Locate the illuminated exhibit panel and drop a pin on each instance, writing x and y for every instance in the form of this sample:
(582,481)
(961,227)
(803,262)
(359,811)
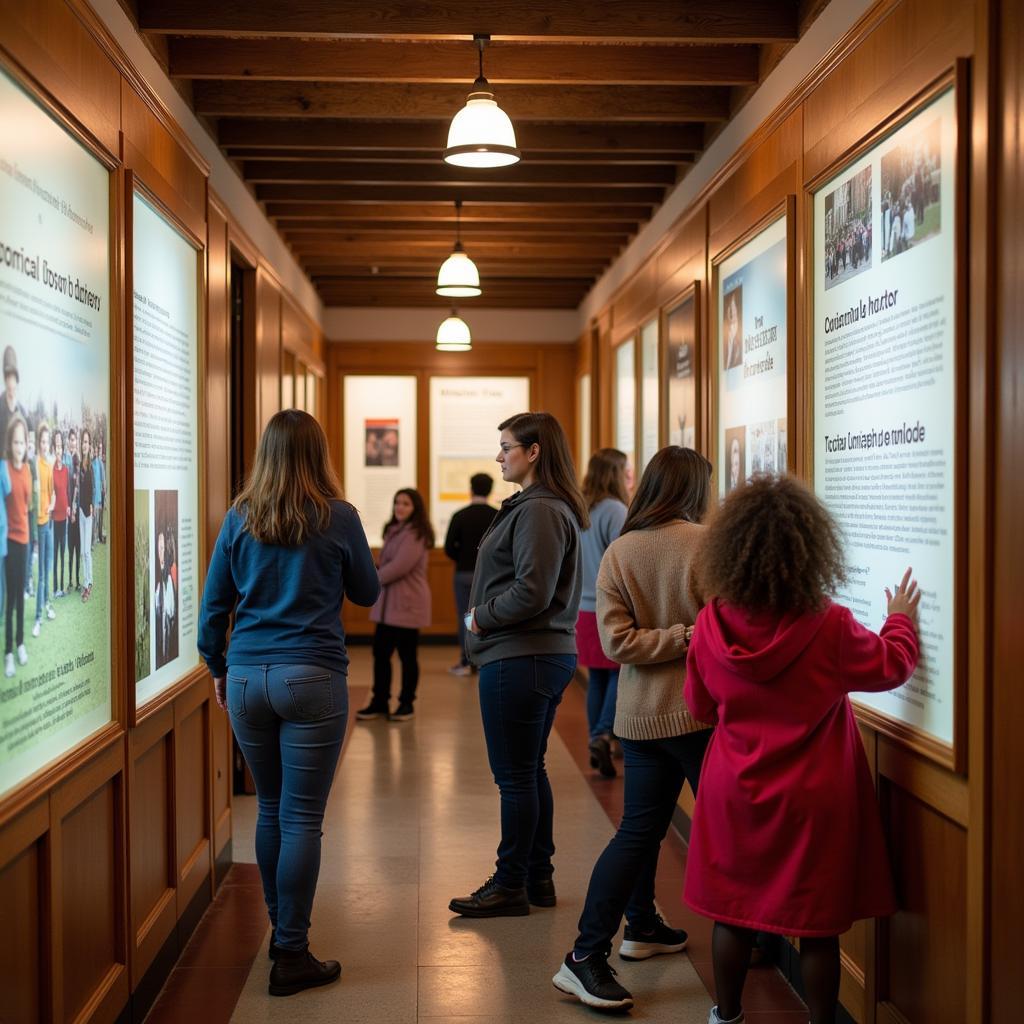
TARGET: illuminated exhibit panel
(380,446)
(624,391)
(464,417)
(681,389)
(55,689)
(165,348)
(584,405)
(649,394)
(753,336)
(885,389)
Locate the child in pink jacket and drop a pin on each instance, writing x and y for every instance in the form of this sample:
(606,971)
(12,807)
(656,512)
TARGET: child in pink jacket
(786,834)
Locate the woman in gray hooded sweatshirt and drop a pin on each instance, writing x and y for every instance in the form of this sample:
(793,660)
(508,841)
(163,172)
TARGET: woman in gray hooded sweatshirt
(522,634)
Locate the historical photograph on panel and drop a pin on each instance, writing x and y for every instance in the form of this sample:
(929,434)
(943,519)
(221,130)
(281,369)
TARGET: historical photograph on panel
(732,328)
(848,229)
(783,461)
(735,457)
(381,443)
(165,581)
(912,190)
(143,629)
(762,445)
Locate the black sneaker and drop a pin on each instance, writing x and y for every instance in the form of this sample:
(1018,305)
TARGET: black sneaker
(293,972)
(592,982)
(642,945)
(492,900)
(601,756)
(402,713)
(372,711)
(541,893)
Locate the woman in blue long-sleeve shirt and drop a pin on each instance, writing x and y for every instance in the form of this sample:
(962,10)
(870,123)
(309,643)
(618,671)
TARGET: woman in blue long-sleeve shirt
(288,552)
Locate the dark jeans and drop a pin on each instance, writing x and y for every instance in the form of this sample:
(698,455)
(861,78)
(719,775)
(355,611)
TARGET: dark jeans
(387,640)
(623,877)
(60,541)
(74,553)
(289,721)
(463,586)
(518,699)
(14,569)
(602,687)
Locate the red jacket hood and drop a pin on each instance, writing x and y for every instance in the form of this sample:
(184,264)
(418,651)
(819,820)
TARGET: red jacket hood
(757,645)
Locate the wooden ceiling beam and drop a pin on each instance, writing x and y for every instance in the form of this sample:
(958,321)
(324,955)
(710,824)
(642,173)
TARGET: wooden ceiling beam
(443,210)
(418,156)
(411,228)
(669,104)
(440,173)
(682,21)
(370,252)
(387,300)
(580,271)
(489,193)
(473,243)
(430,136)
(439,62)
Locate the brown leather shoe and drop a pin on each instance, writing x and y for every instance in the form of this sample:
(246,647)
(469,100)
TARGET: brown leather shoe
(492,900)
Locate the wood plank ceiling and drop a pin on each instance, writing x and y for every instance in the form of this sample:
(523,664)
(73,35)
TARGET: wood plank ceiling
(336,113)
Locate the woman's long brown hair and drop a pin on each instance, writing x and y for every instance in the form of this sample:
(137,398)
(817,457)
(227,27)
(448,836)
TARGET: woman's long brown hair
(555,469)
(606,477)
(287,498)
(676,485)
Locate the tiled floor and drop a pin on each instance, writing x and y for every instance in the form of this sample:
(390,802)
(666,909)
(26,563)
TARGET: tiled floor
(413,820)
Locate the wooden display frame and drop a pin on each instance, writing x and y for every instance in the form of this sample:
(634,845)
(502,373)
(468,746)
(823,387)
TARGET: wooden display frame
(690,294)
(784,210)
(65,764)
(952,756)
(134,184)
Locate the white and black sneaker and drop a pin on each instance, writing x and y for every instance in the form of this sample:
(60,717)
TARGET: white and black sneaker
(592,982)
(715,1018)
(642,945)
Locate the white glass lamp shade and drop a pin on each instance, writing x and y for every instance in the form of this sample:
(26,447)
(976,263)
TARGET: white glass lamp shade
(458,277)
(453,335)
(481,135)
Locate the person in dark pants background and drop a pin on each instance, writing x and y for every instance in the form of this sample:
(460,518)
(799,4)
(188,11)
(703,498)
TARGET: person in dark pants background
(403,607)
(648,597)
(465,531)
(526,597)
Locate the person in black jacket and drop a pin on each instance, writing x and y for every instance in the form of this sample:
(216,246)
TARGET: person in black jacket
(465,531)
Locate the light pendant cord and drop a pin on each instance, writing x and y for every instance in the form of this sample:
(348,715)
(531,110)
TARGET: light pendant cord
(481,42)
(458,222)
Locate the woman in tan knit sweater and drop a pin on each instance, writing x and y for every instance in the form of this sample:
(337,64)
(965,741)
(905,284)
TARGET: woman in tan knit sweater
(648,596)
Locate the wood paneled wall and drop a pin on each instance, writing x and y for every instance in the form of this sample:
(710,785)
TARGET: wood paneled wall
(956,837)
(108,858)
(550,369)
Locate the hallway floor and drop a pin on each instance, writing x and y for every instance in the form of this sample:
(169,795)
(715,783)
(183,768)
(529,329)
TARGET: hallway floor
(412,821)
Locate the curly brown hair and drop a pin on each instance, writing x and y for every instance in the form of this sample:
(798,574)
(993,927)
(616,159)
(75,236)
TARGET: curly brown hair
(774,547)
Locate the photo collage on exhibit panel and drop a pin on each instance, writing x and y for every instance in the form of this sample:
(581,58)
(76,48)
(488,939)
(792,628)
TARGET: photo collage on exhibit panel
(55,487)
(752,353)
(885,390)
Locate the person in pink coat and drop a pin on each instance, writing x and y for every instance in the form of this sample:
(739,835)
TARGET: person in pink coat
(403,607)
(787,836)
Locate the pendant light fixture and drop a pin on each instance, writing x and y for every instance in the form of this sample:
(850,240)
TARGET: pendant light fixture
(481,134)
(453,335)
(458,277)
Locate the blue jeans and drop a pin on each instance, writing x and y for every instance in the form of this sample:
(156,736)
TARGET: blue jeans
(518,699)
(45,535)
(289,721)
(623,877)
(463,587)
(602,687)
